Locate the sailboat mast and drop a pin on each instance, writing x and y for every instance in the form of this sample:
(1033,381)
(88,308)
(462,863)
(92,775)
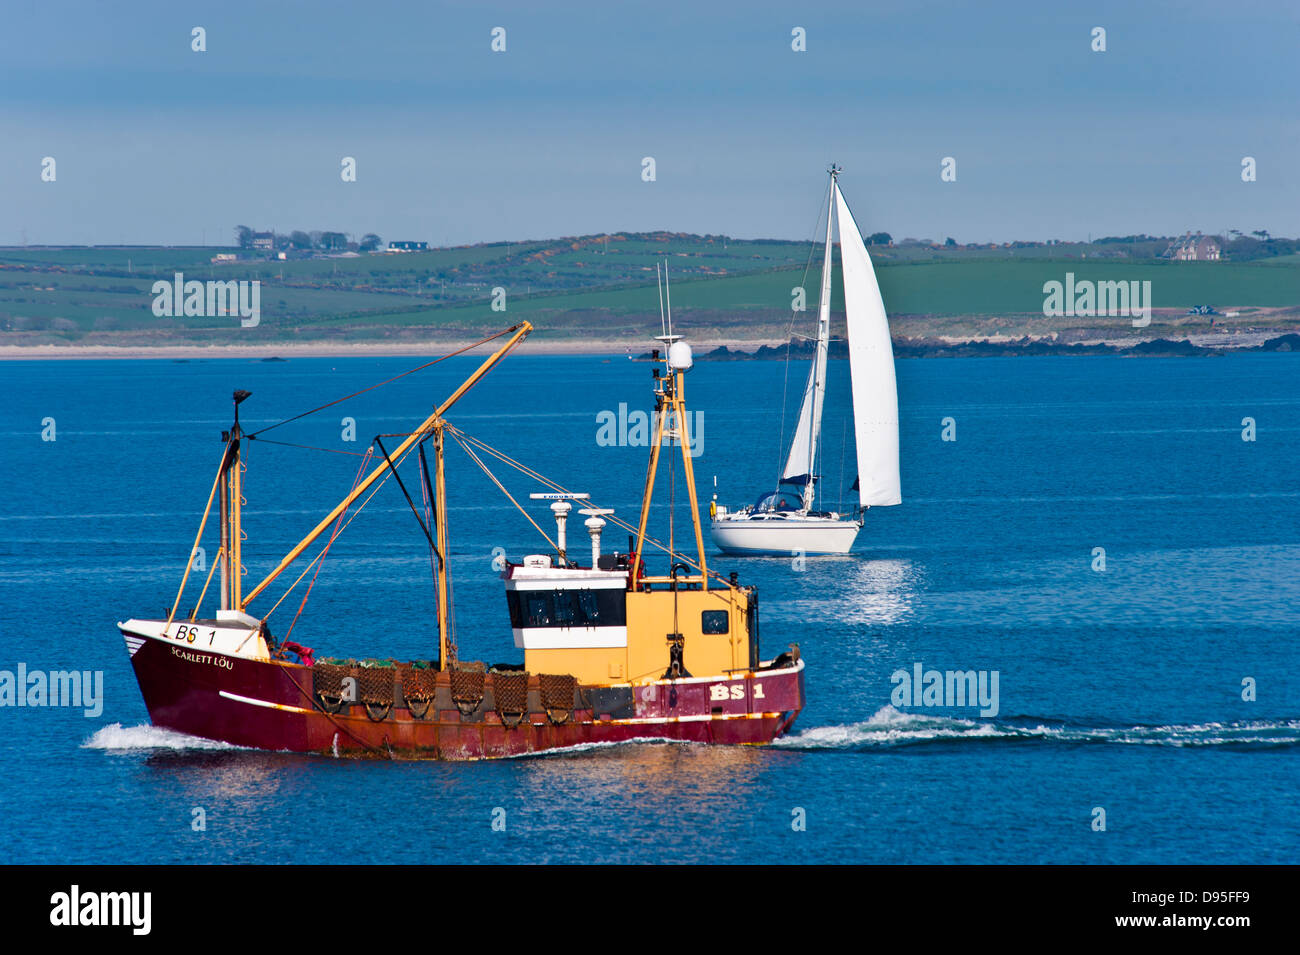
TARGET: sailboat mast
(819,357)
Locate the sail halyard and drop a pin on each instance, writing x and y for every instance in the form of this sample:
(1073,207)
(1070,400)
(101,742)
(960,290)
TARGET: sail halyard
(800,465)
(871,368)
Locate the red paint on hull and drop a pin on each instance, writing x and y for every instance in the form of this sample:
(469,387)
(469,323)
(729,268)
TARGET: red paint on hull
(268,705)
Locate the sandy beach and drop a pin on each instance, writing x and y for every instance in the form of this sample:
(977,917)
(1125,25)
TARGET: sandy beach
(533,346)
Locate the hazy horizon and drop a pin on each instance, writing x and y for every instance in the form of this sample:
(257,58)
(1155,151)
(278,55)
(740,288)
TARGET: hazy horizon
(455,144)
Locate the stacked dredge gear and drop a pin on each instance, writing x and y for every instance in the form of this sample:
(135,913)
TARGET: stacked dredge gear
(328,688)
(376,685)
(511,691)
(467,687)
(557,692)
(418,685)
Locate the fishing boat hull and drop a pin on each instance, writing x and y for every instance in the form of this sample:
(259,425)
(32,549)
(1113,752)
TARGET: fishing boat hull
(784,535)
(270,704)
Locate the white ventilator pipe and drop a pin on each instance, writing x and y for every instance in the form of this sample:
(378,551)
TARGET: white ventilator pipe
(594,526)
(561,511)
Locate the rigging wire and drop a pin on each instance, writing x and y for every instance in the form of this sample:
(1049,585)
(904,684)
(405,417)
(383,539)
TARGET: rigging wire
(329,404)
(382,482)
(305,447)
(392,468)
(547,482)
(501,487)
(338,529)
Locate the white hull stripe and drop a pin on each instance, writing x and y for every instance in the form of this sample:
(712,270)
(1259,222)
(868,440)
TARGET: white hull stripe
(269,705)
(641,720)
(133,644)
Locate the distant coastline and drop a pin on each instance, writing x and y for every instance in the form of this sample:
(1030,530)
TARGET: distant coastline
(939,348)
(704,350)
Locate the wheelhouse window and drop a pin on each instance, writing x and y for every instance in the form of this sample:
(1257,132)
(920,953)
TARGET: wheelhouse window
(714,622)
(565,611)
(540,609)
(588,606)
(567,608)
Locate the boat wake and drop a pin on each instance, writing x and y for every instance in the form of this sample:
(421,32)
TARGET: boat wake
(578,749)
(115,736)
(892,727)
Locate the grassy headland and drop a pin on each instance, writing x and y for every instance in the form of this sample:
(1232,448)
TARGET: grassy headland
(599,292)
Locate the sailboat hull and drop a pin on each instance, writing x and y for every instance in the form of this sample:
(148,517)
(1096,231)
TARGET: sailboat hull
(269,705)
(781,535)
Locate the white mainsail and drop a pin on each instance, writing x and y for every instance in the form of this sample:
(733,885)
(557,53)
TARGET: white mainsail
(871,368)
(802,461)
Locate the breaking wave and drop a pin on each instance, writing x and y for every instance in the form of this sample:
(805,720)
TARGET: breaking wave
(115,736)
(892,727)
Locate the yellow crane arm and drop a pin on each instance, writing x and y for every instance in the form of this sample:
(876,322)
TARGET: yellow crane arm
(520,332)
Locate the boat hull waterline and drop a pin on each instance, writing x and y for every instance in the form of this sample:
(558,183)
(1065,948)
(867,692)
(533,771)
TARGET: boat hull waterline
(269,705)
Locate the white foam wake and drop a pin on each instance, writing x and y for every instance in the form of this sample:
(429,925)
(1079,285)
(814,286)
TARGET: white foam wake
(892,727)
(115,736)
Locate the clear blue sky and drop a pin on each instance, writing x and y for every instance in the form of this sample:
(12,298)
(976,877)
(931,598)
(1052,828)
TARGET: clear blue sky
(155,143)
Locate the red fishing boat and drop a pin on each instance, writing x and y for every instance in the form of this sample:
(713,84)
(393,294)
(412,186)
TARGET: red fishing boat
(611,651)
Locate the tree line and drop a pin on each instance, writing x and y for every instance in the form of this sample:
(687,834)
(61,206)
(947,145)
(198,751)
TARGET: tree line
(323,240)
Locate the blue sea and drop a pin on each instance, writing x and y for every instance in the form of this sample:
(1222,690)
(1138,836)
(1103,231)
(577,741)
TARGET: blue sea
(1098,534)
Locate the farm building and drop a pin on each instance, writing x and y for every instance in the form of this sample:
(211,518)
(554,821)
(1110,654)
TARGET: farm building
(1194,248)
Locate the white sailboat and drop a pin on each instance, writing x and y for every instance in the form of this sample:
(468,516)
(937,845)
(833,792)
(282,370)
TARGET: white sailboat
(786,520)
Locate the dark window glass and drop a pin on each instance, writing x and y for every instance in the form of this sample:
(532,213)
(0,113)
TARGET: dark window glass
(714,621)
(567,608)
(564,608)
(540,612)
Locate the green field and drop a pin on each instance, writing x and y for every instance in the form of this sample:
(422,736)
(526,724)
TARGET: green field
(604,287)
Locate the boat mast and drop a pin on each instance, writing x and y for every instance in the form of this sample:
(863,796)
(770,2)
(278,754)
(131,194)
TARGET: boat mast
(819,357)
(670,401)
(440,519)
(232,502)
(224,551)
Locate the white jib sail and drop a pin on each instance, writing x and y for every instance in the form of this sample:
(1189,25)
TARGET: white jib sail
(871,368)
(803,448)
(797,465)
